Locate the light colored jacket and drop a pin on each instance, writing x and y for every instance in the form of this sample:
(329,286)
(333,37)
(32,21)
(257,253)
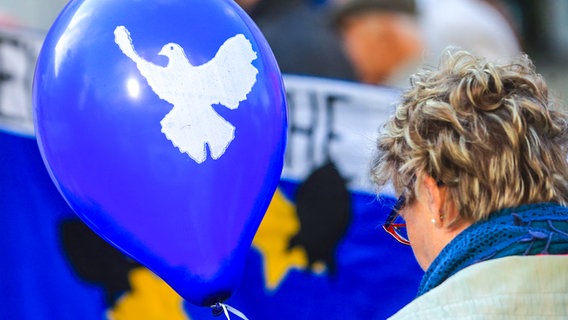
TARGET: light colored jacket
(518,287)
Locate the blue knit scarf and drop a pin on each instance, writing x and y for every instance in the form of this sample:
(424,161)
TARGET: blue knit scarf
(526,230)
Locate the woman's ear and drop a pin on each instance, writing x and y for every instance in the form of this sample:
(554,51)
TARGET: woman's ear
(435,199)
(444,212)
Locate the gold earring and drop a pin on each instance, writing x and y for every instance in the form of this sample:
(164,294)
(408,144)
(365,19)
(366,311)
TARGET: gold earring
(433,221)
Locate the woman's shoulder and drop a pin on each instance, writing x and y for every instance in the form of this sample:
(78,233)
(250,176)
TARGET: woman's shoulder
(504,288)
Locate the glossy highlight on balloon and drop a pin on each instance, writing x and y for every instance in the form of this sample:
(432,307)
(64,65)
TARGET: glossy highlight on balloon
(163,125)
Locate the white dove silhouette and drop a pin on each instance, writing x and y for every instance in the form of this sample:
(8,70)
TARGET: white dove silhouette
(192,90)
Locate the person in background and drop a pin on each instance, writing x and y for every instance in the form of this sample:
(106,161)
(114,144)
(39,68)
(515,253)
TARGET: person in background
(382,39)
(482,27)
(302,41)
(477,151)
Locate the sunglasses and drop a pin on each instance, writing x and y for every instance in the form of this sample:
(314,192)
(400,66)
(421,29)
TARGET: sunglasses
(395,225)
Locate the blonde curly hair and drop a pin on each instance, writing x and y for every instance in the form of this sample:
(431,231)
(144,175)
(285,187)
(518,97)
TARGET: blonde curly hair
(489,133)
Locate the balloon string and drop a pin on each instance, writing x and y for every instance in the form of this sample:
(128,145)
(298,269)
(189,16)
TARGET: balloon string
(226,308)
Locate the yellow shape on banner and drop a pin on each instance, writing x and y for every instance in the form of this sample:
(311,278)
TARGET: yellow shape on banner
(150,298)
(279,225)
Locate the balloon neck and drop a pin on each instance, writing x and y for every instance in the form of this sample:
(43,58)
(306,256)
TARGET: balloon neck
(220,308)
(217,309)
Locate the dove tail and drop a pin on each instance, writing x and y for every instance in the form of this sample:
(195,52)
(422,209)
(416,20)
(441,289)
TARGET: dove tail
(193,130)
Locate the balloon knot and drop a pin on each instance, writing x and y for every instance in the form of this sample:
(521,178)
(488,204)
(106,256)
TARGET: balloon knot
(220,308)
(217,309)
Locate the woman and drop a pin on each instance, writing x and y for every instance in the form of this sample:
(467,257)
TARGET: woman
(478,155)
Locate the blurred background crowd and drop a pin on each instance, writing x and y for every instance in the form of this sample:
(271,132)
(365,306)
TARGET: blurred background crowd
(382,41)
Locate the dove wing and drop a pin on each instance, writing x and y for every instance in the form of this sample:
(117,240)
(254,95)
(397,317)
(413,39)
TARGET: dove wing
(164,81)
(230,73)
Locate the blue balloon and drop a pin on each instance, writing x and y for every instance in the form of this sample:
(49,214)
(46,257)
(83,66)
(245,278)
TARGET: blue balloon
(163,125)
